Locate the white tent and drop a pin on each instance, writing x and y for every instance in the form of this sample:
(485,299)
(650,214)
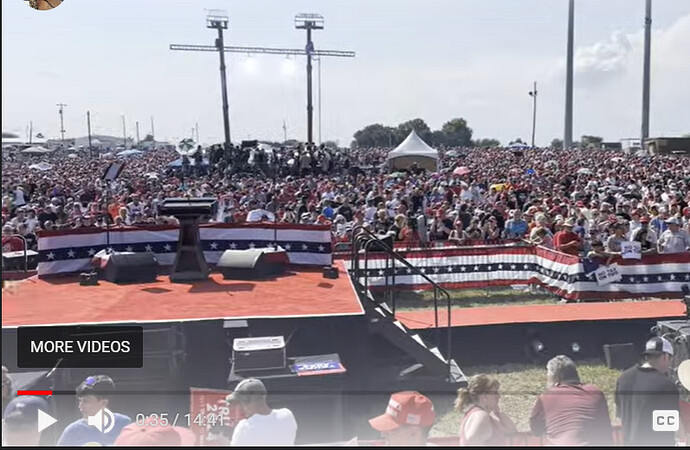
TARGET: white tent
(36,150)
(413,149)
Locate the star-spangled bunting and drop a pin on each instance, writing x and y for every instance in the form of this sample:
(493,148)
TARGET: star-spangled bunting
(87,252)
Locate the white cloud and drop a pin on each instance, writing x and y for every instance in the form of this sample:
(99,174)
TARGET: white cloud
(607,59)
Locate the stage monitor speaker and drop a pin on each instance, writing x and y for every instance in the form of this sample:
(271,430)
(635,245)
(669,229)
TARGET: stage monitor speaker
(131,268)
(252,264)
(259,353)
(331,272)
(620,356)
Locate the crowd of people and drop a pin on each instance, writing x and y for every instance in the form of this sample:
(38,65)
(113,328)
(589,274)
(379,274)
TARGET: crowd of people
(570,412)
(580,202)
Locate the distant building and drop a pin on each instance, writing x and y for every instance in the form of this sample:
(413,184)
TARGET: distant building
(668,146)
(631,145)
(612,146)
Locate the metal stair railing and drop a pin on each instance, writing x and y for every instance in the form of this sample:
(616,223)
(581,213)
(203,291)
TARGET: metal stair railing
(26,247)
(367,238)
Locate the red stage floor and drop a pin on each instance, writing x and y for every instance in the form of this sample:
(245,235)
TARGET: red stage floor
(569,312)
(63,301)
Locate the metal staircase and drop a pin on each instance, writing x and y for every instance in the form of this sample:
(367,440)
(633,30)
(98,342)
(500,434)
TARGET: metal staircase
(381,314)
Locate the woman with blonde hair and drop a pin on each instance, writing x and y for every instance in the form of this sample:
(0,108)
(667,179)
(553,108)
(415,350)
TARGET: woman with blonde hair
(483,423)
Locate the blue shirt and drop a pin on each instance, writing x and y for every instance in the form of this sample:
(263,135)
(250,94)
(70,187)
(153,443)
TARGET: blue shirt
(79,433)
(328,212)
(516,228)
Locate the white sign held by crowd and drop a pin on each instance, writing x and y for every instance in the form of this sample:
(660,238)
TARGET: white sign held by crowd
(608,275)
(631,250)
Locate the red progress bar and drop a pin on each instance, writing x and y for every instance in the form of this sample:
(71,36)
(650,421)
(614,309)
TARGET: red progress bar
(34,392)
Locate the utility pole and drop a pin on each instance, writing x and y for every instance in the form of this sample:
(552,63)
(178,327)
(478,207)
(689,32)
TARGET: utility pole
(309,22)
(62,122)
(219,21)
(88,126)
(31,132)
(647,71)
(533,94)
(568,135)
(197,132)
(284,131)
(319,60)
(153,136)
(124,133)
(137,122)
(309,51)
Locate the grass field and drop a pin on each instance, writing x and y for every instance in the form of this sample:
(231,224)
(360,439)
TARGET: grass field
(520,383)
(470,298)
(520,386)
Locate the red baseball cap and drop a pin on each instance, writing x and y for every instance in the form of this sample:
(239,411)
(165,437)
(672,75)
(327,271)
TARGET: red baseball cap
(644,219)
(147,435)
(405,408)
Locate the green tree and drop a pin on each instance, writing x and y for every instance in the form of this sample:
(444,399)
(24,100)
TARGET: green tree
(331,144)
(457,133)
(517,141)
(376,135)
(557,143)
(438,138)
(418,125)
(484,143)
(591,141)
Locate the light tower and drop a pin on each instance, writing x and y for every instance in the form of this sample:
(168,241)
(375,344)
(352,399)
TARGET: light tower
(647,69)
(309,22)
(568,134)
(218,19)
(62,122)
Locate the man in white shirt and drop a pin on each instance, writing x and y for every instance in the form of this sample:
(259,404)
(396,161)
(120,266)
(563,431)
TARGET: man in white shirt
(263,426)
(674,240)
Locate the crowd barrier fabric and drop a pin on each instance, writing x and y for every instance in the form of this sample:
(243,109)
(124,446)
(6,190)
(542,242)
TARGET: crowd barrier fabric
(568,276)
(72,250)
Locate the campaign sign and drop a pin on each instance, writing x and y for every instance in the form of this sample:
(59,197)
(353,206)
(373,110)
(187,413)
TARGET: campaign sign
(631,250)
(207,409)
(317,368)
(608,275)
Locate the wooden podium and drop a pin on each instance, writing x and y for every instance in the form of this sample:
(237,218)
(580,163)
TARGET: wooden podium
(190,264)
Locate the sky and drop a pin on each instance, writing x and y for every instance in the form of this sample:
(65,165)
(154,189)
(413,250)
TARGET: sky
(433,59)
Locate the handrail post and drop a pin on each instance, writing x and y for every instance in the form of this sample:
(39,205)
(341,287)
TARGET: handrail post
(449,329)
(438,332)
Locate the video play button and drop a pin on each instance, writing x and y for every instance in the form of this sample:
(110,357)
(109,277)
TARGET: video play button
(45,420)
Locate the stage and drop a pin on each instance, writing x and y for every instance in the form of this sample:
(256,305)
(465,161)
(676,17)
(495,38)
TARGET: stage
(61,300)
(569,312)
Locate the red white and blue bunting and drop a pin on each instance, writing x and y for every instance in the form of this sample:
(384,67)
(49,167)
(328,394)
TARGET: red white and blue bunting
(72,250)
(567,276)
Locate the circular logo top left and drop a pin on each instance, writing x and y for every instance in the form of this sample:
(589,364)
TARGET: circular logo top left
(43,5)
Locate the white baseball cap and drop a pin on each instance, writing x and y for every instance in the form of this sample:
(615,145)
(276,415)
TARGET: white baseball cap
(658,345)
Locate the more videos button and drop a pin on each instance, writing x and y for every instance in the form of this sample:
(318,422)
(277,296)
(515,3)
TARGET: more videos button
(103,420)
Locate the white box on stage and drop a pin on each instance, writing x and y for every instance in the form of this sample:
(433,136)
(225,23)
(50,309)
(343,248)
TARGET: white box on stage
(258,353)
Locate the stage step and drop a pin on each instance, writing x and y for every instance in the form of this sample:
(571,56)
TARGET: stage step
(383,323)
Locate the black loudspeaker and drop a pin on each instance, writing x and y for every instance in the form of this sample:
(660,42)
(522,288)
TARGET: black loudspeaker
(252,264)
(88,279)
(620,356)
(131,268)
(330,272)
